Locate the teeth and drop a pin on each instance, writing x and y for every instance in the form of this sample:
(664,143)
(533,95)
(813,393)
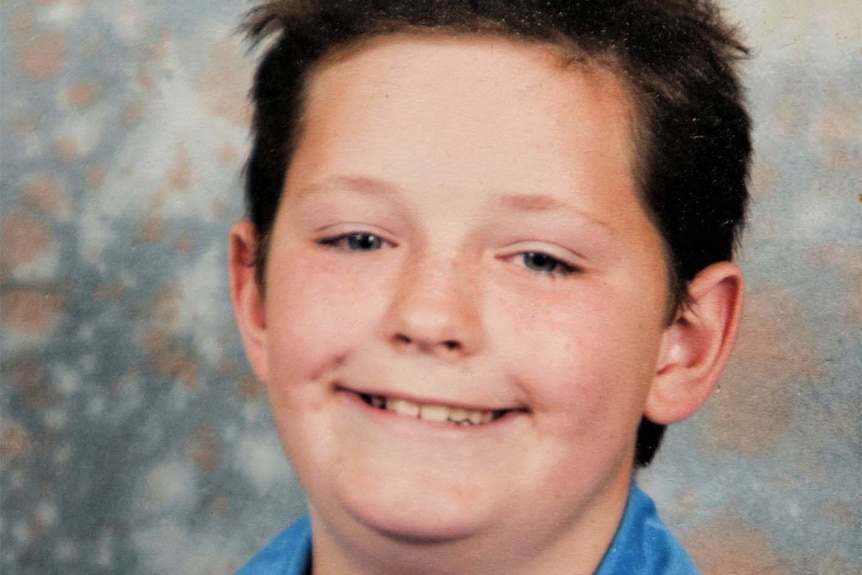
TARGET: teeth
(434,413)
(439,413)
(474,417)
(457,415)
(403,407)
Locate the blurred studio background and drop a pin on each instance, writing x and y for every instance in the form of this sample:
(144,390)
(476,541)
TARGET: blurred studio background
(134,438)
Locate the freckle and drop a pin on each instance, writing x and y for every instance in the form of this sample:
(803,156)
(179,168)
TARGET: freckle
(82,94)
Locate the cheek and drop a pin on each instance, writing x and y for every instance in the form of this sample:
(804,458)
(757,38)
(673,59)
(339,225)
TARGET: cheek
(317,313)
(587,359)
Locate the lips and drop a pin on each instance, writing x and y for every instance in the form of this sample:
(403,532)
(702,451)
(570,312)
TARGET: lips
(434,412)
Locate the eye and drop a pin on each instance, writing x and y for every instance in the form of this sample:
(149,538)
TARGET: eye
(354,242)
(546,264)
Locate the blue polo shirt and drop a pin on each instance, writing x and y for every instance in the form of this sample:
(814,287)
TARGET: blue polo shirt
(642,545)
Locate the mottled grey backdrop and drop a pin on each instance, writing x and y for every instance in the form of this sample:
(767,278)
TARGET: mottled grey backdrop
(134,437)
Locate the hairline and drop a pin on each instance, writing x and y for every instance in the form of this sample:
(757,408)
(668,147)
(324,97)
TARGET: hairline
(569,53)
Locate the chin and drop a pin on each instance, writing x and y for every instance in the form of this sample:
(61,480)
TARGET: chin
(419,530)
(415,516)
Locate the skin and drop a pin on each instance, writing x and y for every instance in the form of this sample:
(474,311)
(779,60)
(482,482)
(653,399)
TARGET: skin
(461,226)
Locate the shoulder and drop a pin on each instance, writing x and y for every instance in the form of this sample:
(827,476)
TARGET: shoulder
(643,545)
(288,554)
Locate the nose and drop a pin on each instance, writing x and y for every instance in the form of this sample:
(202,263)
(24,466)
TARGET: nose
(435,310)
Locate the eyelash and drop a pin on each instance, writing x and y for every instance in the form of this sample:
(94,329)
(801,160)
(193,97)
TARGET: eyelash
(535,261)
(554,266)
(347,242)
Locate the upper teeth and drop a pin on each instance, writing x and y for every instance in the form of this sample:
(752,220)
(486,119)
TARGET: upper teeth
(433,412)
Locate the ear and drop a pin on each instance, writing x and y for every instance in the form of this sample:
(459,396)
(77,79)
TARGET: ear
(696,346)
(247,297)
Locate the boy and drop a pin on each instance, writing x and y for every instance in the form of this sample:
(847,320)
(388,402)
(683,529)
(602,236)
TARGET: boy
(486,262)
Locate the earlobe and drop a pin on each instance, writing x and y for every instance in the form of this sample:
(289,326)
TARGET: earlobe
(247,298)
(696,346)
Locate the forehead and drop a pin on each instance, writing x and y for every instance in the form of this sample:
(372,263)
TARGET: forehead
(432,109)
(451,68)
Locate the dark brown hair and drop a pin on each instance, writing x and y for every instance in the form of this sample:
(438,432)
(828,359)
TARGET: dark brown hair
(678,58)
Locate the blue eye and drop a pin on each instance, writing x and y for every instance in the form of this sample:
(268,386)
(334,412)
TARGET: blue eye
(354,242)
(543,263)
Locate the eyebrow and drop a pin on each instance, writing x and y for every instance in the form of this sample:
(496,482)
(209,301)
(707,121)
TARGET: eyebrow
(382,188)
(544,203)
(362,184)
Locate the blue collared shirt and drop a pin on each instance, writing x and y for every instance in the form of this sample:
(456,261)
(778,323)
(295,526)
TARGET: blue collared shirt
(642,545)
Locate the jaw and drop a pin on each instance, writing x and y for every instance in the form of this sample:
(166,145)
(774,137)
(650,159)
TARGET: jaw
(411,480)
(398,474)
(379,545)
(389,482)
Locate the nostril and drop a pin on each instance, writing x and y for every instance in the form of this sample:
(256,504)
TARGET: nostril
(402,339)
(406,341)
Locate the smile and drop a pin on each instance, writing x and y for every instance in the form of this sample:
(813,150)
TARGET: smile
(431,412)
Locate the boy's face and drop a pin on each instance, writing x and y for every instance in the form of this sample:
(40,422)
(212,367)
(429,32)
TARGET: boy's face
(460,230)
